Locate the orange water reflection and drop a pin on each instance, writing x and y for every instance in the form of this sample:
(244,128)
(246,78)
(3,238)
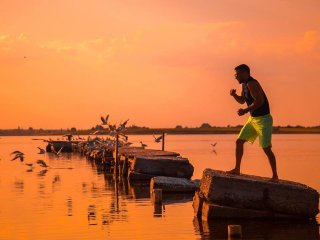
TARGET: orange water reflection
(72,200)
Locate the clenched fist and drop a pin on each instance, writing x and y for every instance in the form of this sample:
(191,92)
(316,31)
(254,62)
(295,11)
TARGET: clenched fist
(233,92)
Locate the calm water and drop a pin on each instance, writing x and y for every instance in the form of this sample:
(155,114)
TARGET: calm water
(71,200)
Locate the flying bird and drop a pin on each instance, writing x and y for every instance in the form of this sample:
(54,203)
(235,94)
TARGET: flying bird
(17,152)
(42,163)
(42,172)
(18,155)
(157,139)
(213,144)
(104,120)
(122,126)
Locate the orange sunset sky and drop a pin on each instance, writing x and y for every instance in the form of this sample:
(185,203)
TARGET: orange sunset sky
(160,63)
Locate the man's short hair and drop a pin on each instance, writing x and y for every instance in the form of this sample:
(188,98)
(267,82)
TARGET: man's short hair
(243,67)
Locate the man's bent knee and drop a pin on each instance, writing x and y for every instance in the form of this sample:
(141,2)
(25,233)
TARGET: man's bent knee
(267,149)
(240,141)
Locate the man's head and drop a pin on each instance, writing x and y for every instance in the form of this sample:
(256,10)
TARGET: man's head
(242,73)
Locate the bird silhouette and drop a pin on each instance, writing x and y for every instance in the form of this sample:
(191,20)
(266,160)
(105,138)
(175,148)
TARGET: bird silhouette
(41,150)
(104,120)
(213,144)
(42,163)
(157,139)
(143,145)
(122,126)
(18,154)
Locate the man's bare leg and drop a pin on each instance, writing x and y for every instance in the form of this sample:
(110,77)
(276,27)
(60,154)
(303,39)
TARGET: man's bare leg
(239,154)
(272,161)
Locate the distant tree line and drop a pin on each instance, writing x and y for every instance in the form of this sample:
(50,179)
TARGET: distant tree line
(134,129)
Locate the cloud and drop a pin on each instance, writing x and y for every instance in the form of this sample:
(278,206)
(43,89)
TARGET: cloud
(309,43)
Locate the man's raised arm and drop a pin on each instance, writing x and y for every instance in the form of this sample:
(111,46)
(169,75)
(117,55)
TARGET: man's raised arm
(239,99)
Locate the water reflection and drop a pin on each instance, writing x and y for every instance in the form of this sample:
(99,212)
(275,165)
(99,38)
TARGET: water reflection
(84,187)
(41,188)
(19,186)
(92,219)
(258,229)
(69,206)
(56,179)
(86,203)
(42,173)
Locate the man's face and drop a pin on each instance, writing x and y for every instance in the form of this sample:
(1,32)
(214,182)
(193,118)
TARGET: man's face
(241,76)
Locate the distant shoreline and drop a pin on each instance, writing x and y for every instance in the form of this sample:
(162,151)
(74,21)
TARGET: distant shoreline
(149,131)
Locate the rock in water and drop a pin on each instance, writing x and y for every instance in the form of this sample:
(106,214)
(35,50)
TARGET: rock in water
(219,189)
(170,166)
(172,184)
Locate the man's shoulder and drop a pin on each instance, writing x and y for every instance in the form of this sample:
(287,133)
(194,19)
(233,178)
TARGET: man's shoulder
(253,84)
(252,81)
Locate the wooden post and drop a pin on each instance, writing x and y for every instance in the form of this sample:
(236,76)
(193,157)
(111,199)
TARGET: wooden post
(157,196)
(116,160)
(163,141)
(157,210)
(125,168)
(234,232)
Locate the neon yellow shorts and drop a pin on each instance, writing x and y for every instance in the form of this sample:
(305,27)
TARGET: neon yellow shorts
(258,126)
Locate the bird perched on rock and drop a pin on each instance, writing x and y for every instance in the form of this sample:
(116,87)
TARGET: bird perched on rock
(41,139)
(143,145)
(41,150)
(68,136)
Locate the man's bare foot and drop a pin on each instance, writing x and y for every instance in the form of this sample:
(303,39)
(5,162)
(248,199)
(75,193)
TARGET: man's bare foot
(234,171)
(274,179)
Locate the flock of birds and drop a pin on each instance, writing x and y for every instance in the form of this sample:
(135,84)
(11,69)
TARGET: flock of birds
(106,128)
(113,130)
(21,156)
